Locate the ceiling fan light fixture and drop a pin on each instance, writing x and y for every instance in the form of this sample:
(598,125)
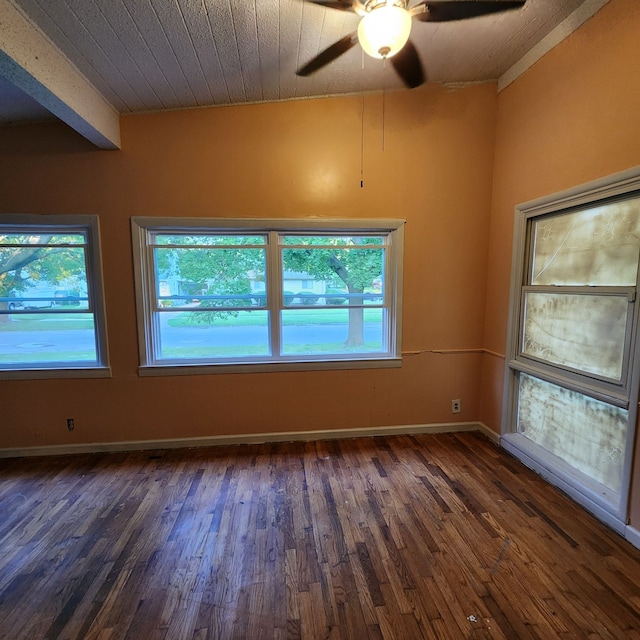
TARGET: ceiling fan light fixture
(384,30)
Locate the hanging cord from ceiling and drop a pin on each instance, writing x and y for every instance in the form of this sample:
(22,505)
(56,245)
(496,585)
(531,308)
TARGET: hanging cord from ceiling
(362,135)
(384,115)
(384,96)
(362,144)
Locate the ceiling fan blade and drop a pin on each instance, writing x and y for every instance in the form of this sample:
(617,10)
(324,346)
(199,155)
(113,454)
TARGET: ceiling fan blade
(345,5)
(408,66)
(448,10)
(328,55)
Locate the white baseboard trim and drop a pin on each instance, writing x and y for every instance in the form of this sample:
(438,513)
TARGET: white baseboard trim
(489,433)
(247,438)
(632,535)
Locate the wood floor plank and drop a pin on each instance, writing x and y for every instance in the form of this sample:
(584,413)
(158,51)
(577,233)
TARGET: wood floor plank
(416,536)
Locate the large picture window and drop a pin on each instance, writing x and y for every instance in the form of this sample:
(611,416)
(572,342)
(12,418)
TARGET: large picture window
(271,294)
(51,310)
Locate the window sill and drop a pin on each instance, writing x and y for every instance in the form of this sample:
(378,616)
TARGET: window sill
(267,367)
(51,374)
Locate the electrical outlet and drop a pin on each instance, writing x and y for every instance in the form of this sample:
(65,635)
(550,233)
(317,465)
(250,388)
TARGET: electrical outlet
(456,406)
(71,425)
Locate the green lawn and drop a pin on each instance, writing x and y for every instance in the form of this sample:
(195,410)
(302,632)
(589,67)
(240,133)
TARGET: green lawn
(290,318)
(36,322)
(58,356)
(244,351)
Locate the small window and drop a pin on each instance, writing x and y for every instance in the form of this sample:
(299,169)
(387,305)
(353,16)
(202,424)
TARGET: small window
(219,294)
(51,311)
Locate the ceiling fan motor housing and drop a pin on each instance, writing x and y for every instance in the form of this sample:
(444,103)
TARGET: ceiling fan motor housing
(370,5)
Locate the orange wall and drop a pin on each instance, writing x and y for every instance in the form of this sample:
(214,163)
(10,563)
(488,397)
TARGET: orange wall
(572,118)
(292,159)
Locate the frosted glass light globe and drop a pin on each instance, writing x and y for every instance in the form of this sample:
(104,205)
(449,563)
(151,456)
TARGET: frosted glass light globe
(384,31)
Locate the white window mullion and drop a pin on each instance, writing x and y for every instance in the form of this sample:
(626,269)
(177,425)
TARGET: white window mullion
(274,294)
(153,315)
(394,280)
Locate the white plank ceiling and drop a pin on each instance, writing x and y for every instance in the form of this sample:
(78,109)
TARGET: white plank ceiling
(148,55)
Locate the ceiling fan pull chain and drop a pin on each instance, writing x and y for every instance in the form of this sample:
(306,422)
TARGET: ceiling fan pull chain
(362,144)
(384,97)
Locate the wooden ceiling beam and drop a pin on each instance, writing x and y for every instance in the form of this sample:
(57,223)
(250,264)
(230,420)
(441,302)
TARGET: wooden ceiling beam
(31,62)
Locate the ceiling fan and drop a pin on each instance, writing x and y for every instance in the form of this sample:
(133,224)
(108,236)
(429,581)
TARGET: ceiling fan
(383,31)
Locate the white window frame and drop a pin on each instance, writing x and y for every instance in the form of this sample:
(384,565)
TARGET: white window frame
(610,507)
(143,229)
(88,226)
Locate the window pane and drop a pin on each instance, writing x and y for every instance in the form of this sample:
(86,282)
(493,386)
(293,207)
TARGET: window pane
(205,240)
(50,281)
(333,331)
(29,339)
(333,240)
(587,434)
(207,335)
(47,277)
(41,238)
(584,332)
(210,278)
(596,246)
(323,276)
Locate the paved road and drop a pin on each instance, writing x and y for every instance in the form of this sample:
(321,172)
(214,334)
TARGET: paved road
(46,342)
(24,342)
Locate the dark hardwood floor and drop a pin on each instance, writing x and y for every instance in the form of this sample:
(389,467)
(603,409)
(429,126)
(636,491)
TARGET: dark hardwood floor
(442,537)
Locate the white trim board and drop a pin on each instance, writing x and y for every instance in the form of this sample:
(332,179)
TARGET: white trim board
(632,535)
(554,476)
(570,24)
(587,502)
(247,438)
